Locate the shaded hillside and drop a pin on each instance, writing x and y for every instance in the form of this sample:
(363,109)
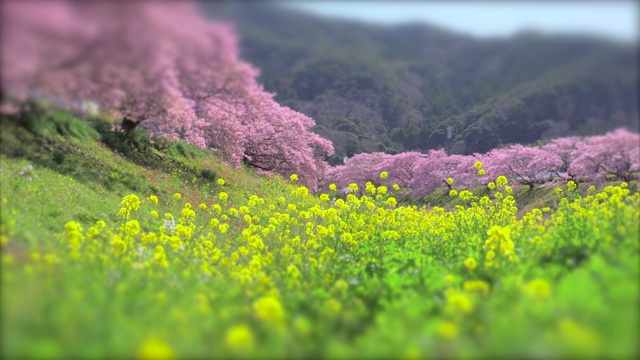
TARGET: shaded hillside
(378,88)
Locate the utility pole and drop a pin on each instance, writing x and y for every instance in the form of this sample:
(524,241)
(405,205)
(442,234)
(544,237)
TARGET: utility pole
(447,144)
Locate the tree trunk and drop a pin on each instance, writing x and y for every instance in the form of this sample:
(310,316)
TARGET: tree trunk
(129,125)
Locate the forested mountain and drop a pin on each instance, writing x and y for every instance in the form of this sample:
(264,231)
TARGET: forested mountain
(397,88)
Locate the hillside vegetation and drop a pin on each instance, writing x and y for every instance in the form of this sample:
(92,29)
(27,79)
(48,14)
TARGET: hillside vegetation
(124,245)
(377,88)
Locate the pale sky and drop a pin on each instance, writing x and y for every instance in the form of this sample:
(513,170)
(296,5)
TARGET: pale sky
(611,19)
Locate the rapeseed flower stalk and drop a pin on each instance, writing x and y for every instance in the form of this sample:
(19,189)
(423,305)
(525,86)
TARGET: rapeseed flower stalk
(499,240)
(74,234)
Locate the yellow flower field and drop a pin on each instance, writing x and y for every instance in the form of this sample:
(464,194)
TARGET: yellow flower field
(303,276)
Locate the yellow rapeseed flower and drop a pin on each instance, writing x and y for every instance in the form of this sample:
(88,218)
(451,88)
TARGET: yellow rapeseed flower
(177,196)
(384,175)
(223,196)
(538,289)
(470,263)
(448,330)
(131,202)
(268,309)
(221,181)
(333,187)
(302,191)
(293,177)
(155,350)
(293,271)
(132,227)
(478,286)
(239,337)
(459,302)
(153,199)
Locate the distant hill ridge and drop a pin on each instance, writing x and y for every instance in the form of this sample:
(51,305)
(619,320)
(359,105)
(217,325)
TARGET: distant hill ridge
(397,88)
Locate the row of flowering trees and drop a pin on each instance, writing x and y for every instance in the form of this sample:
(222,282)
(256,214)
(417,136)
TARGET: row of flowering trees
(161,67)
(613,156)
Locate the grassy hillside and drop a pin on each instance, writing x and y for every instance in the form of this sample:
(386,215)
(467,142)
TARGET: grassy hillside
(397,88)
(119,245)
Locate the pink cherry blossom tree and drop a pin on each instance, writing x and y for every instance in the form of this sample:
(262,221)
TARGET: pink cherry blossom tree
(612,156)
(401,168)
(567,149)
(526,165)
(159,66)
(434,169)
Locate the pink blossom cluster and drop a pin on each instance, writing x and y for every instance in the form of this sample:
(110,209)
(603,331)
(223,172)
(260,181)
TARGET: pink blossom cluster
(161,66)
(612,156)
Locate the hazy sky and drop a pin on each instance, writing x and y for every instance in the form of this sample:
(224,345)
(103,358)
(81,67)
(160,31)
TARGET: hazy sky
(612,19)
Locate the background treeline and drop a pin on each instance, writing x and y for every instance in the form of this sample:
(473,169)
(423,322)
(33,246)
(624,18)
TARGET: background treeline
(374,88)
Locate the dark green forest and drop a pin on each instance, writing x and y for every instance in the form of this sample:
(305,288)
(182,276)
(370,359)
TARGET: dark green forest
(397,88)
